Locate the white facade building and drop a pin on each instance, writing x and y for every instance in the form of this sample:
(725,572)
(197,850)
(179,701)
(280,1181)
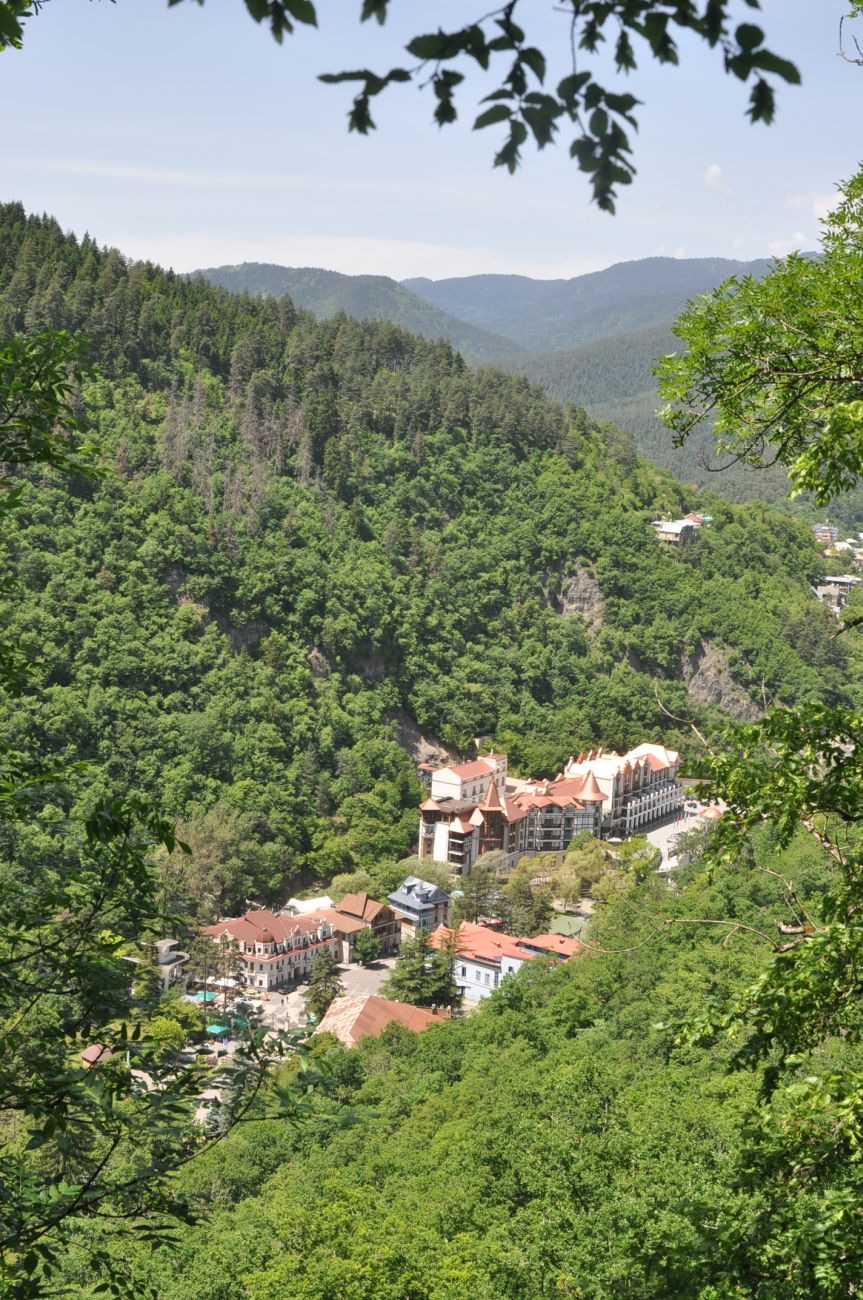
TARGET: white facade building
(485,956)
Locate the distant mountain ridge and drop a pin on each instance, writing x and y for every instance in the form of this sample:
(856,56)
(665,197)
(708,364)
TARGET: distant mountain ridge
(550,315)
(365,297)
(612,379)
(591,340)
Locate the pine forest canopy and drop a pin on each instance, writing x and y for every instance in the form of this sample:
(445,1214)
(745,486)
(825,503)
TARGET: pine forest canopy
(366,297)
(593,340)
(520,102)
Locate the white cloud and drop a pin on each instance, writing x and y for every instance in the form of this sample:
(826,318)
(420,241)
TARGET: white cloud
(819,204)
(713,180)
(781,247)
(739,243)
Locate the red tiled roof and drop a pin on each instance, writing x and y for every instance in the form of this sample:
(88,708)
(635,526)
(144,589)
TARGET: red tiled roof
(429,805)
(481,944)
(559,944)
(361,905)
(590,791)
(340,920)
(367,1016)
(95,1053)
(262,927)
(491,802)
(467,771)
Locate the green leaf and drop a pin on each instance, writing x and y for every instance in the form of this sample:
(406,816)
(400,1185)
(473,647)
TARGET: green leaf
(433,46)
(748,36)
(499,113)
(535,60)
(783,68)
(303,11)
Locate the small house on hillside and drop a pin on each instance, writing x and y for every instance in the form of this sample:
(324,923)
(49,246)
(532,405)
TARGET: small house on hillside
(676,532)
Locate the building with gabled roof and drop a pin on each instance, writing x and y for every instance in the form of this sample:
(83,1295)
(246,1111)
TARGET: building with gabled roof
(367,1016)
(639,788)
(380,919)
(509,816)
(484,957)
(602,793)
(419,905)
(275,951)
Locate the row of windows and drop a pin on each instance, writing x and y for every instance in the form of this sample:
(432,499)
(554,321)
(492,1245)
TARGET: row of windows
(480,976)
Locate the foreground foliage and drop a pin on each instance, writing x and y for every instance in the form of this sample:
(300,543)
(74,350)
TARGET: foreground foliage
(520,101)
(779,363)
(94,1112)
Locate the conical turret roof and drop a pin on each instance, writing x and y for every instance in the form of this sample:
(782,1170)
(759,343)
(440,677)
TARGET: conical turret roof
(590,791)
(491,802)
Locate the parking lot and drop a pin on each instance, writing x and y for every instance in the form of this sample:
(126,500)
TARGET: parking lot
(285,1010)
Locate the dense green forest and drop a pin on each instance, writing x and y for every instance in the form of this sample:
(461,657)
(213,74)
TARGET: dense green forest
(311,536)
(365,297)
(613,378)
(552,1143)
(592,340)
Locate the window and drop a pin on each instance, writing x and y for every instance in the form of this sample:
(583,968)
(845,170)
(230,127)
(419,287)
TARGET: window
(487,978)
(463,971)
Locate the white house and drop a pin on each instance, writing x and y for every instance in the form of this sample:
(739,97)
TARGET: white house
(485,956)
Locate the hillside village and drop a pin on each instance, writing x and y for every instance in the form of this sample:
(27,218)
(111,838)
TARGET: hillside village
(472,810)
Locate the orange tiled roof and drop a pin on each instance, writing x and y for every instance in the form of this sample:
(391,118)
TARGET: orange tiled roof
(340,920)
(361,905)
(480,943)
(367,1016)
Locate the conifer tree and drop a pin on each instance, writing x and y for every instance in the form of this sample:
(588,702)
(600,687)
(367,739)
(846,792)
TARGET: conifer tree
(147,984)
(325,985)
(424,976)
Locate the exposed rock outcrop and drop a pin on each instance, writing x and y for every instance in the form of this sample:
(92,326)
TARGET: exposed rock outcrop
(709,681)
(422,749)
(579,594)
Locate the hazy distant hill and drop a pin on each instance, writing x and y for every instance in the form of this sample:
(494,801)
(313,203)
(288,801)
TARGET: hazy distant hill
(548,315)
(591,340)
(613,379)
(365,297)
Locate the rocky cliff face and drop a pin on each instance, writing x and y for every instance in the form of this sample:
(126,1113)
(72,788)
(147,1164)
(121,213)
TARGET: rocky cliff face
(579,594)
(709,681)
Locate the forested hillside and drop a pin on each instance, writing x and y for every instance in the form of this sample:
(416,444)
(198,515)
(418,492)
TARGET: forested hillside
(592,340)
(365,297)
(312,536)
(613,378)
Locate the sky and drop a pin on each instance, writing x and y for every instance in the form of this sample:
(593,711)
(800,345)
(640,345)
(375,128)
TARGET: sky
(187,136)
